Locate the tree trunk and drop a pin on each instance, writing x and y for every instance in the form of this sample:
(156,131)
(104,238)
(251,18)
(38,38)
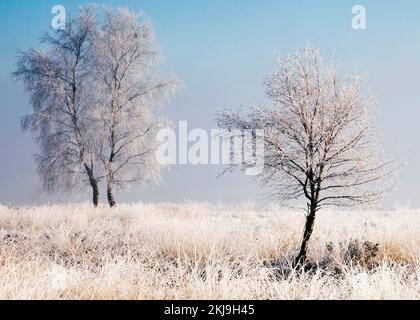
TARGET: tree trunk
(94,184)
(110,195)
(309,227)
(95,194)
(110,175)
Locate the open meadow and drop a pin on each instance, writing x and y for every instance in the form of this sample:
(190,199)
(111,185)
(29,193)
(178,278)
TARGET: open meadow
(203,251)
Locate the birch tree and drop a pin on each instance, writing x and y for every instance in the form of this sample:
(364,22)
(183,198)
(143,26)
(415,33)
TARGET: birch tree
(58,81)
(130,94)
(320,139)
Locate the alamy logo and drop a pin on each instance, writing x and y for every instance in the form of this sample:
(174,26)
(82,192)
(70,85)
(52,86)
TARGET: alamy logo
(58,22)
(221,146)
(359,20)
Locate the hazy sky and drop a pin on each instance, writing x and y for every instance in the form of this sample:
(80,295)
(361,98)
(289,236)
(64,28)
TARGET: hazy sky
(221,49)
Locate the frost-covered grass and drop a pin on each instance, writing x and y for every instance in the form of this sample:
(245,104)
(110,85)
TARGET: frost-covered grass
(202,251)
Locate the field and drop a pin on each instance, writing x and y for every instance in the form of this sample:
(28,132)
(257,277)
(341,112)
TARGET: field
(203,251)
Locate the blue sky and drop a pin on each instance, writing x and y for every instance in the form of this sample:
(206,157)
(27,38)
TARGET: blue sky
(221,49)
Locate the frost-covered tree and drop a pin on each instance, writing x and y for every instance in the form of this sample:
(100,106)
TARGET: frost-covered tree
(58,81)
(96,97)
(320,139)
(130,91)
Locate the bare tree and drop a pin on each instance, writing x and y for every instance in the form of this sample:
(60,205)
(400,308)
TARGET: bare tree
(59,85)
(320,140)
(129,94)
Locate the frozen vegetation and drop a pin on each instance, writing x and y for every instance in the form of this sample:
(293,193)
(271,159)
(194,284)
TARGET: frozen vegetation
(203,251)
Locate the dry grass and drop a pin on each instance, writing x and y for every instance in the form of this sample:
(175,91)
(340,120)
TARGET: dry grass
(202,251)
